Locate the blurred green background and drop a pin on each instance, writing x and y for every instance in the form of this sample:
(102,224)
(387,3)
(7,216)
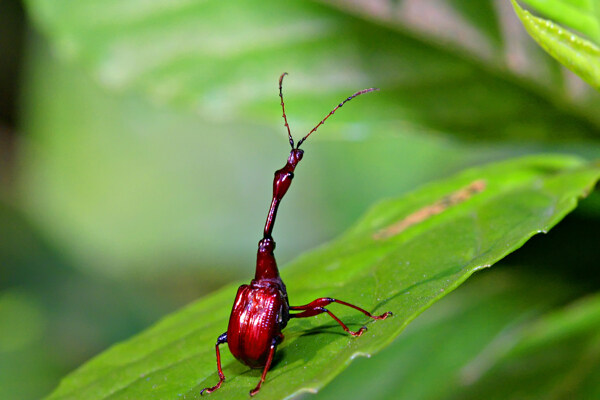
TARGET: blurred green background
(138,141)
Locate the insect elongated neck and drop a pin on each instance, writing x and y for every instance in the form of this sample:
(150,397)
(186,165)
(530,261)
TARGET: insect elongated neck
(266,266)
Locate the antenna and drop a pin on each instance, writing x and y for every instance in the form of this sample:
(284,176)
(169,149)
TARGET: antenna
(283,109)
(333,111)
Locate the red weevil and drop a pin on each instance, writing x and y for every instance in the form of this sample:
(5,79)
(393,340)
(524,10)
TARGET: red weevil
(261,309)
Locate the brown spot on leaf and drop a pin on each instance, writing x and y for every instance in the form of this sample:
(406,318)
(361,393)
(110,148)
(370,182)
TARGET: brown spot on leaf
(438,207)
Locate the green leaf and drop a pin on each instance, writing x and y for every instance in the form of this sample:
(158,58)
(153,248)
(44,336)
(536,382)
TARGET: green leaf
(456,341)
(576,53)
(404,255)
(580,15)
(496,338)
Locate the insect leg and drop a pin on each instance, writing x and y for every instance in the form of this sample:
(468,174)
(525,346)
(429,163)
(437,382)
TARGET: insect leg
(220,340)
(276,340)
(317,306)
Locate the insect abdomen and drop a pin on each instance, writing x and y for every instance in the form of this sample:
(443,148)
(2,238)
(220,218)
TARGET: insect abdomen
(255,320)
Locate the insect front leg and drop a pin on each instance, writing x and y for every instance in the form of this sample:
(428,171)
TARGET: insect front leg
(317,307)
(276,340)
(220,340)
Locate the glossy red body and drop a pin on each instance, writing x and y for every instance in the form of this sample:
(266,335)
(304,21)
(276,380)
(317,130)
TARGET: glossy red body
(261,309)
(259,313)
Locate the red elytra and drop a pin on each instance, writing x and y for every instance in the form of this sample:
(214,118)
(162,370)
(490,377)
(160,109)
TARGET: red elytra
(261,309)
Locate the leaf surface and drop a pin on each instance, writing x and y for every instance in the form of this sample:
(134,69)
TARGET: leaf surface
(456,341)
(403,256)
(501,326)
(580,55)
(580,15)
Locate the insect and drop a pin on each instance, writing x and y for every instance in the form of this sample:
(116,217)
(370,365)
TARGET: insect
(261,309)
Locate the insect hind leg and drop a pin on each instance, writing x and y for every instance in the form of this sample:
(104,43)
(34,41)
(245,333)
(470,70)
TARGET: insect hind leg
(317,307)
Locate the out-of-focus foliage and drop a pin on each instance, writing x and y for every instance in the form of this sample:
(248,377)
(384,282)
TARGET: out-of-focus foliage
(561,351)
(149,204)
(138,176)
